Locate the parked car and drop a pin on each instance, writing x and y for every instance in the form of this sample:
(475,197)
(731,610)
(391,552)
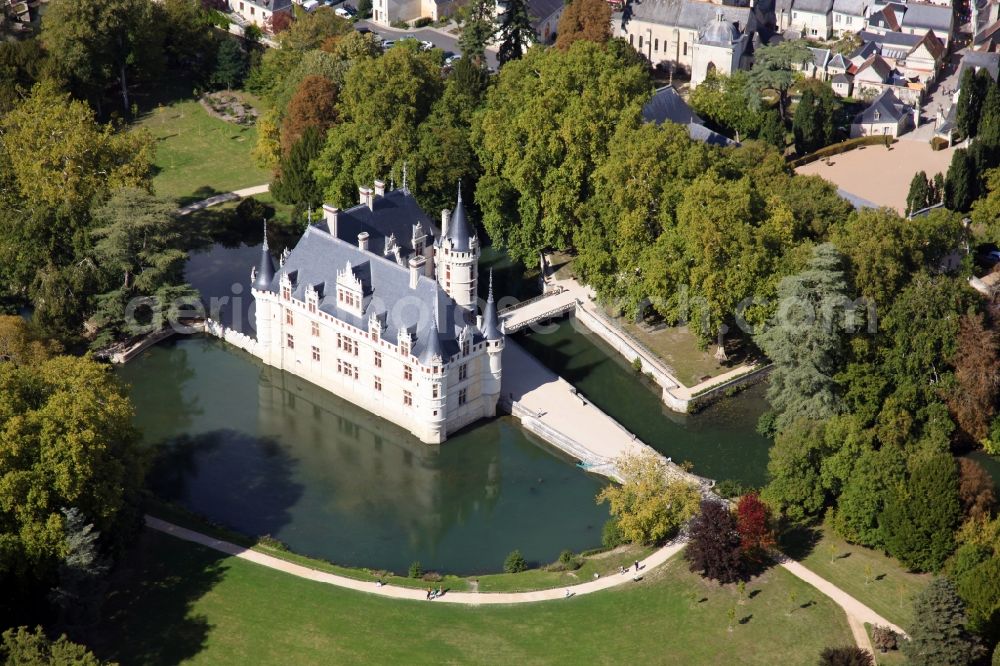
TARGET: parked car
(452,59)
(426,45)
(387,44)
(343,12)
(310,5)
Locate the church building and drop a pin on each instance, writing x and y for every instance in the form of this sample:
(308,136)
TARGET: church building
(379,307)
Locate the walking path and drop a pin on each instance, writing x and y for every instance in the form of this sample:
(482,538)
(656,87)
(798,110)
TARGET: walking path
(222,198)
(395,592)
(857,613)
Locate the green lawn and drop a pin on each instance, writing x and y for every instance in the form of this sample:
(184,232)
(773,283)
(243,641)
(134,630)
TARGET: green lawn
(198,155)
(173,601)
(891,588)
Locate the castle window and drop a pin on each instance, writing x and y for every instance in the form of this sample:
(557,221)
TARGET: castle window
(286,293)
(656,44)
(404,347)
(463,372)
(315,353)
(312,306)
(378,383)
(315,328)
(290,341)
(640,41)
(378,359)
(407,398)
(434,390)
(447,273)
(461,397)
(407,373)
(465,347)
(289,317)
(630,38)
(340,341)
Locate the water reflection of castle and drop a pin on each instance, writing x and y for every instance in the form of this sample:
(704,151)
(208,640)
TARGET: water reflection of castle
(374,470)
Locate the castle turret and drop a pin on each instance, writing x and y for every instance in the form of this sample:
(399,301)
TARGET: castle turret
(492,331)
(456,257)
(434,384)
(262,277)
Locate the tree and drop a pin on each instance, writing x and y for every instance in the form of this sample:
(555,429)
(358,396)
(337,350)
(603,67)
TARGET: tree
(139,243)
(478,29)
(714,544)
(311,29)
(938,635)
(99,44)
(80,591)
(20,344)
(961,183)
(588,20)
(729,104)
(772,130)
(514,562)
(805,123)
(365,9)
(294,183)
(515,31)
(649,507)
(977,372)
(972,92)
(772,70)
(920,517)
(382,103)
(190,41)
(986,209)
(989,119)
(313,105)
(231,65)
(850,655)
(282,21)
(267,151)
(868,483)
(975,489)
(21,647)
(920,195)
(805,340)
(795,487)
(752,518)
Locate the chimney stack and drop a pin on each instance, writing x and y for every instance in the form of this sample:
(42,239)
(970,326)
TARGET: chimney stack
(380,188)
(445,215)
(363,240)
(330,215)
(416,265)
(366,196)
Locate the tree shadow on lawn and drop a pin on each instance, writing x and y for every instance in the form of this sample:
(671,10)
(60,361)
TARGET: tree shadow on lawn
(799,541)
(147,616)
(203,192)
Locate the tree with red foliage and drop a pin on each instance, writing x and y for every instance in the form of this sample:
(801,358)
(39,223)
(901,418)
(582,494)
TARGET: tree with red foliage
(714,549)
(977,370)
(279,22)
(314,104)
(752,517)
(975,489)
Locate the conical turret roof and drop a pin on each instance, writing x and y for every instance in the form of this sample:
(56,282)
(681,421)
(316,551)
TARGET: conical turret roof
(459,230)
(432,352)
(265,269)
(491,326)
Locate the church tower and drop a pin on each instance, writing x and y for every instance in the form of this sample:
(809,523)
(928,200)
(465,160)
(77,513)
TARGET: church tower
(456,257)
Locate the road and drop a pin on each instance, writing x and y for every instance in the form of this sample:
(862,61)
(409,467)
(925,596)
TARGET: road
(439,37)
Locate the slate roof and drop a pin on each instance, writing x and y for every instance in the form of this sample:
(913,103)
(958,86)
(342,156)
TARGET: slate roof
(667,106)
(839,61)
(925,15)
(394,214)
(272,5)
(265,267)
(813,6)
(460,232)
(887,106)
(690,14)
(539,10)
(491,329)
(878,65)
(888,18)
(820,57)
(988,61)
(852,7)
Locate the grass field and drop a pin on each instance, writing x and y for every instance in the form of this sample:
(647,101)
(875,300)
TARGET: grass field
(890,588)
(198,155)
(174,601)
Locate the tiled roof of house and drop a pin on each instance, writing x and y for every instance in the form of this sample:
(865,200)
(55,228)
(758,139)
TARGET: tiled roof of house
(877,65)
(667,106)
(886,108)
(928,16)
(852,7)
(813,6)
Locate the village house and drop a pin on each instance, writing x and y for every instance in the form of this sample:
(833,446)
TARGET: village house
(387,12)
(260,12)
(377,306)
(813,18)
(886,116)
(913,18)
(667,106)
(849,16)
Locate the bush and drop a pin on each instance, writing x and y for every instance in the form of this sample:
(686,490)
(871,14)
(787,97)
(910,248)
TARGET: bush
(728,489)
(253,212)
(637,364)
(268,541)
(846,656)
(422,22)
(515,562)
(937,143)
(433,577)
(884,638)
(842,147)
(416,571)
(400,25)
(611,535)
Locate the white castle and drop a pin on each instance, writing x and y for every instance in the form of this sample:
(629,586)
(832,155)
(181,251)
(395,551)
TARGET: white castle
(378,307)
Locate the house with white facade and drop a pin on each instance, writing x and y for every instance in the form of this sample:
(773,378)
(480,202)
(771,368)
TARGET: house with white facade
(913,18)
(377,306)
(386,12)
(849,16)
(886,116)
(814,18)
(259,12)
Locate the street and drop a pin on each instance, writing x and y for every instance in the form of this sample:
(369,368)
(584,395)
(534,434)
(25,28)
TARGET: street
(439,37)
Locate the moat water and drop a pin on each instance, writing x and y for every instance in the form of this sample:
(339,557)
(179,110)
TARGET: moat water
(264,452)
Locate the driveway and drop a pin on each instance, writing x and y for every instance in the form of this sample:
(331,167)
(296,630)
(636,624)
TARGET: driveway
(439,37)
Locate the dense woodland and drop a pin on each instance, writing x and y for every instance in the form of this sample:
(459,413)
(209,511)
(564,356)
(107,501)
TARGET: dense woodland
(886,362)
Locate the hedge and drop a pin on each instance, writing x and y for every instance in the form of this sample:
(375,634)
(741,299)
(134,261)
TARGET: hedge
(842,147)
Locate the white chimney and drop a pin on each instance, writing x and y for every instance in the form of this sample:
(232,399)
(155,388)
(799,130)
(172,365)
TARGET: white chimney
(363,240)
(366,196)
(380,188)
(330,215)
(416,265)
(445,215)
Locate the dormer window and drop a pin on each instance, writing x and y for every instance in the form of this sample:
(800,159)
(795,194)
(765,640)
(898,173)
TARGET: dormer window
(374,327)
(877,116)
(404,343)
(349,291)
(312,298)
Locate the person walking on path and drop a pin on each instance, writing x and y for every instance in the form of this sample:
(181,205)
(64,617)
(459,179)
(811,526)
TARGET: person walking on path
(637,565)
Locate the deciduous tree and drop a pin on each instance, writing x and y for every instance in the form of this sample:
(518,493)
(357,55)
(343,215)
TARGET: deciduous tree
(753,526)
(773,70)
(977,371)
(313,105)
(729,103)
(588,20)
(714,547)
(795,487)
(647,506)
(33,648)
(976,491)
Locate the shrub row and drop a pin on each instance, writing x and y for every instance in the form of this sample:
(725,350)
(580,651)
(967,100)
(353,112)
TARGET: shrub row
(842,147)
